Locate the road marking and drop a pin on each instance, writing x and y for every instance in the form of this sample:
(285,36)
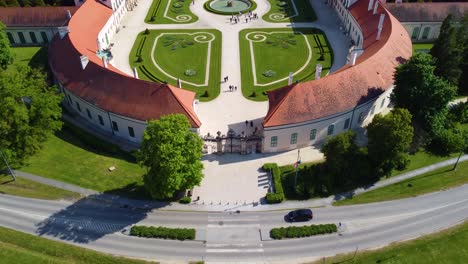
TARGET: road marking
(232,220)
(251,225)
(234,250)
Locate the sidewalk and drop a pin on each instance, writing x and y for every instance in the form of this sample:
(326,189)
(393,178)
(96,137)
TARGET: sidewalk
(254,206)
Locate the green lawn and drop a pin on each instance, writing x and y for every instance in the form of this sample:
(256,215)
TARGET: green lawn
(178,12)
(181,54)
(21,248)
(67,157)
(422,47)
(282,11)
(422,159)
(433,181)
(27,188)
(35,57)
(446,247)
(276,52)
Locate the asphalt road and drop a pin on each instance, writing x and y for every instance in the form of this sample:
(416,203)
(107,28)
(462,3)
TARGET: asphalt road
(229,236)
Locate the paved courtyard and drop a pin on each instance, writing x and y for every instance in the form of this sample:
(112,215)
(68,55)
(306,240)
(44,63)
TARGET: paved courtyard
(231,178)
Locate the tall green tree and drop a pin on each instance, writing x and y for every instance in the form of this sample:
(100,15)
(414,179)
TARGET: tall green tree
(6,57)
(448,52)
(463,38)
(29,112)
(421,92)
(172,156)
(390,137)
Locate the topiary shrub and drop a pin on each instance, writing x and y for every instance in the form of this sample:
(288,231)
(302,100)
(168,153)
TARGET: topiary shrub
(185,200)
(205,94)
(139,59)
(254,94)
(302,231)
(190,72)
(163,232)
(269,73)
(147,31)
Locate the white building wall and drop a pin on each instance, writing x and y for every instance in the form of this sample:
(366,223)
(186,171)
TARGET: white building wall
(15,34)
(112,26)
(434,30)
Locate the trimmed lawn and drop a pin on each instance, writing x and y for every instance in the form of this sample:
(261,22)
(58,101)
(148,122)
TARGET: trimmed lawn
(422,159)
(21,248)
(67,157)
(170,12)
(276,52)
(422,47)
(441,179)
(181,54)
(283,11)
(35,57)
(27,188)
(445,247)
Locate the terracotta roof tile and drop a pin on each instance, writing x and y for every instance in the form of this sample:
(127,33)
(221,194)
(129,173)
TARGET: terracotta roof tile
(108,88)
(427,12)
(47,16)
(351,85)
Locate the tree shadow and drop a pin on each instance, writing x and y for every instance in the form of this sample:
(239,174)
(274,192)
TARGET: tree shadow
(94,217)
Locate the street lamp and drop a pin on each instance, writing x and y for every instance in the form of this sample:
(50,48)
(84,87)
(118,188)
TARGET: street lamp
(8,166)
(296,166)
(461,151)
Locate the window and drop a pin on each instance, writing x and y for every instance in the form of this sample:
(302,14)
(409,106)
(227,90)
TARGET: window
(101,121)
(89,113)
(21,37)
(131,132)
(426,32)
(346,124)
(69,99)
(313,134)
(10,38)
(78,106)
(383,103)
(293,138)
(114,126)
(274,141)
(331,128)
(45,39)
(372,110)
(33,37)
(415,34)
(361,117)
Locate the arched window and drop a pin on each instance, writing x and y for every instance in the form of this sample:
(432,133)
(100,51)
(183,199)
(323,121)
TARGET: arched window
(415,33)
(426,32)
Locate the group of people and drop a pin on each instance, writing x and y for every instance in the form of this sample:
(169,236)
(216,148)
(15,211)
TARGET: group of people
(248,17)
(232,88)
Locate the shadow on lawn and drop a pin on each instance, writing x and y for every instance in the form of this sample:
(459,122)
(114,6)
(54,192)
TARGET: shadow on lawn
(94,217)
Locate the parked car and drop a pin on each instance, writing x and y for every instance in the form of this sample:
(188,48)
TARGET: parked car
(299,215)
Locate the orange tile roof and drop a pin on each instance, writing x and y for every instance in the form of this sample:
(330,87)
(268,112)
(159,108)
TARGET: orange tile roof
(108,88)
(43,16)
(427,12)
(351,85)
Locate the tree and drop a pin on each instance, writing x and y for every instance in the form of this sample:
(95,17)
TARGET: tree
(463,40)
(346,164)
(448,52)
(172,156)
(29,112)
(421,92)
(390,137)
(6,57)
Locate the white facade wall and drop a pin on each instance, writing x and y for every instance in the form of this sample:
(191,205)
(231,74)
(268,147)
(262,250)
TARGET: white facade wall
(112,27)
(416,30)
(81,107)
(15,33)
(357,117)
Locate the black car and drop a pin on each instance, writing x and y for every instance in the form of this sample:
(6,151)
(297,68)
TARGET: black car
(300,215)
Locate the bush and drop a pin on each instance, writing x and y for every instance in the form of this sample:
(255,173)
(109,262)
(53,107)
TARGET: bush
(273,198)
(185,200)
(253,94)
(278,195)
(147,31)
(139,59)
(205,94)
(163,232)
(302,231)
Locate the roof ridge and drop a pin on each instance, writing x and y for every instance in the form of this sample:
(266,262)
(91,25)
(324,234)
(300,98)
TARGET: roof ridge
(188,111)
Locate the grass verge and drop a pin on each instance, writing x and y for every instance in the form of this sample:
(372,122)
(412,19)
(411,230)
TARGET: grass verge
(445,247)
(21,248)
(443,178)
(178,12)
(69,157)
(282,11)
(276,52)
(182,54)
(422,47)
(31,189)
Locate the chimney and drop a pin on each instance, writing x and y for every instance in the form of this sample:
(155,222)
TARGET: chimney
(104,61)
(290,79)
(69,15)
(135,73)
(376,6)
(84,61)
(371,3)
(353,58)
(318,71)
(380,26)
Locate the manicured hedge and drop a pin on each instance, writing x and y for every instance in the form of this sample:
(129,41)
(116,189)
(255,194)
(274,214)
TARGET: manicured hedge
(163,232)
(302,231)
(185,200)
(278,195)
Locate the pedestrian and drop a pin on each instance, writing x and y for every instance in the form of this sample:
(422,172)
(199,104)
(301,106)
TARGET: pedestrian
(246,20)
(231,19)
(226,78)
(235,88)
(230,88)
(246,122)
(251,124)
